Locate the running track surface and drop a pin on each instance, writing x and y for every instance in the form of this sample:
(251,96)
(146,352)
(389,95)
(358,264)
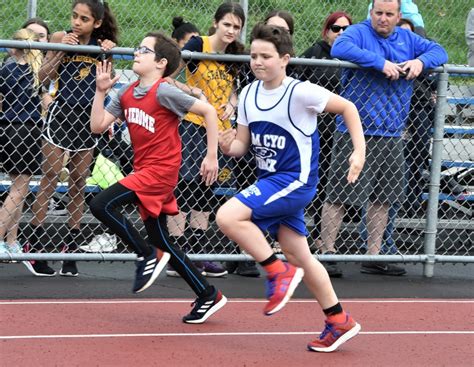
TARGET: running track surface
(149,332)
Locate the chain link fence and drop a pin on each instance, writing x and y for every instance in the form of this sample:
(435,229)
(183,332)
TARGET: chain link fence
(434,222)
(443,20)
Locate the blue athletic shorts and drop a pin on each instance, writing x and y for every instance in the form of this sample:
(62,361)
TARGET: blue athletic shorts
(278,200)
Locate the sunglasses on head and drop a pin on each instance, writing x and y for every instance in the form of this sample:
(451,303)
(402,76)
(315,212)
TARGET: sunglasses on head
(337,28)
(143,50)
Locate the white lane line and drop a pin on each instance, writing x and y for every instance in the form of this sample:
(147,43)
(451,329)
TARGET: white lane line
(164,301)
(274,333)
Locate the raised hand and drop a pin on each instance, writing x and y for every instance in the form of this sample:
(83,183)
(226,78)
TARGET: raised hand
(103,79)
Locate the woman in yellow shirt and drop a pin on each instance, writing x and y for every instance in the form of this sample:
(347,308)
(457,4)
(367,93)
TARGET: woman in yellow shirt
(217,82)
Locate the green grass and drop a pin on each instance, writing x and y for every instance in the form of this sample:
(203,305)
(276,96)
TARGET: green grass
(444,20)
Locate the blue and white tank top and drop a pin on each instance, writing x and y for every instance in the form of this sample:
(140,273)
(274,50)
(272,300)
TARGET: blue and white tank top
(283,127)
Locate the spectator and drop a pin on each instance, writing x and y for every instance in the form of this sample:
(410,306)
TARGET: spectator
(20,131)
(67,125)
(470,37)
(383,100)
(217,81)
(151,107)
(183,31)
(40,27)
(409,10)
(277,120)
(281,18)
(334,25)
(416,151)
(418,132)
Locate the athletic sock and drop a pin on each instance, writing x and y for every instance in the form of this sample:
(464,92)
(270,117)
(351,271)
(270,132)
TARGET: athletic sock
(273,265)
(335,314)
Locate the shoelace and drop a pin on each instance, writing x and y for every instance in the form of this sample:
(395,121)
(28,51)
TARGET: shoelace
(270,286)
(327,329)
(196,305)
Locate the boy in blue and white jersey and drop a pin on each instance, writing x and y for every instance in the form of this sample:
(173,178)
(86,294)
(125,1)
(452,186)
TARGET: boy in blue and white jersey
(278,119)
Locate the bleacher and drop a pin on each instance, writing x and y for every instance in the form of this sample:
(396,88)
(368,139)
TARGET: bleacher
(458,153)
(61,188)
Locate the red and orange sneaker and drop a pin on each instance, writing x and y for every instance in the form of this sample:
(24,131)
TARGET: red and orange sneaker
(280,288)
(334,334)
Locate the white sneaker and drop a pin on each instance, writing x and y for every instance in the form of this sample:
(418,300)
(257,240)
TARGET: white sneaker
(16,248)
(101,243)
(56,207)
(3,247)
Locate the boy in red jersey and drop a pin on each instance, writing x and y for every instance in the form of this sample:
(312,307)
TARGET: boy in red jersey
(152,108)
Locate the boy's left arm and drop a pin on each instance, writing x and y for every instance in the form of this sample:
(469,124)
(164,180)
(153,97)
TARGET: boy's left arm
(342,106)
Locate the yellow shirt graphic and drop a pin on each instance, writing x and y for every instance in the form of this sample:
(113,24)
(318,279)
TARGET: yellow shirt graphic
(215,81)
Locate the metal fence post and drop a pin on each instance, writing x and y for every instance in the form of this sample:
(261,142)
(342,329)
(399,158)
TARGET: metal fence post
(243,33)
(435,176)
(32,6)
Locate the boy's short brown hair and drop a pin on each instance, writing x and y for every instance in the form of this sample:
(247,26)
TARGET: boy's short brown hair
(279,36)
(166,48)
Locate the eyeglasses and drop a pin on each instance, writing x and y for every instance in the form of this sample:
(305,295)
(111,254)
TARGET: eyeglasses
(143,50)
(337,28)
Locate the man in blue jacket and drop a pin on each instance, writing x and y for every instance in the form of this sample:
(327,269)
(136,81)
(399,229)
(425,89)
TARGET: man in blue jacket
(391,57)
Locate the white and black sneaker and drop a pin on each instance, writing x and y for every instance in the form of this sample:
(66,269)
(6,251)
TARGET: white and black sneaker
(39,268)
(380,268)
(205,307)
(69,269)
(56,207)
(148,269)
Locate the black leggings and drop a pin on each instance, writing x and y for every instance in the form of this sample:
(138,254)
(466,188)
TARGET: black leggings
(106,206)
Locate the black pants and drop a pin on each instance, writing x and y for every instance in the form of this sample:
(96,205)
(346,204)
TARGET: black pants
(107,207)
